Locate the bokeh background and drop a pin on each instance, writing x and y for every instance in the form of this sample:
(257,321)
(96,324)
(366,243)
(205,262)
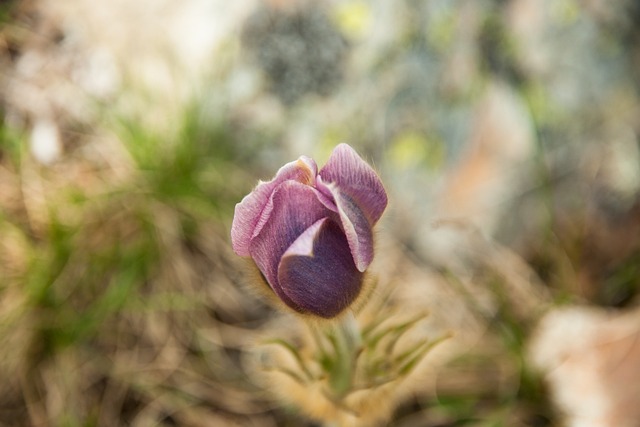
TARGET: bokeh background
(505,131)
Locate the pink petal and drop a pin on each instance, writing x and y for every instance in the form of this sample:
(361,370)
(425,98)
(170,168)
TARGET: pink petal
(355,178)
(295,208)
(254,210)
(356,225)
(317,272)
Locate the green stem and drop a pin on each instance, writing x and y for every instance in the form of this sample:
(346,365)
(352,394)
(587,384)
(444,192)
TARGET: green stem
(347,342)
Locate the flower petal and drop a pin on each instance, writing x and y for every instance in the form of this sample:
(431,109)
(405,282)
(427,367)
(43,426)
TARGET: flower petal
(295,207)
(355,223)
(317,272)
(357,179)
(254,210)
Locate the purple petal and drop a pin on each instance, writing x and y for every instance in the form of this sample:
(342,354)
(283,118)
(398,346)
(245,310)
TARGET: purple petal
(295,208)
(356,179)
(253,211)
(355,223)
(317,272)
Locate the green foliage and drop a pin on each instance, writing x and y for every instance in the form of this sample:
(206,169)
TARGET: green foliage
(76,285)
(6,8)
(193,169)
(622,283)
(11,145)
(348,358)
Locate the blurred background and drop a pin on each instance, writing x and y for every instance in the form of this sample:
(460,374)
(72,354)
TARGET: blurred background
(505,131)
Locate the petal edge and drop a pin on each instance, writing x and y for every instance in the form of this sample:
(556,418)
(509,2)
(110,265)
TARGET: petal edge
(355,177)
(254,209)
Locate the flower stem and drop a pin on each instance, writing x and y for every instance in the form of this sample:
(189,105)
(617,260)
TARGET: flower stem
(347,342)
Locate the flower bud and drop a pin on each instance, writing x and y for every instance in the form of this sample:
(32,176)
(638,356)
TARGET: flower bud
(309,232)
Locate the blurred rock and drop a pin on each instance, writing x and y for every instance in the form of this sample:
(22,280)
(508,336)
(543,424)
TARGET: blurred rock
(299,49)
(477,188)
(145,61)
(590,360)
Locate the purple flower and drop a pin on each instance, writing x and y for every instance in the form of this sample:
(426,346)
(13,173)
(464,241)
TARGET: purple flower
(310,233)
